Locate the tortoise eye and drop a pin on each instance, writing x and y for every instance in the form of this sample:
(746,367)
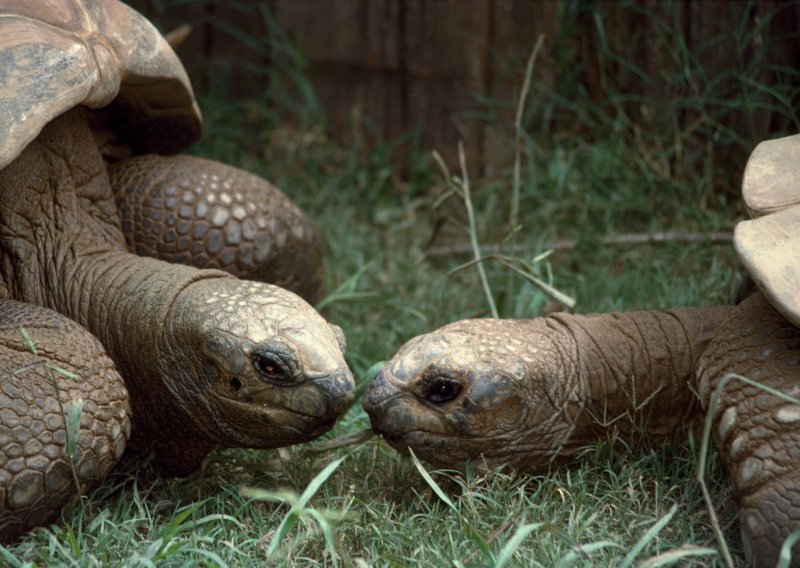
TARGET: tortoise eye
(272,368)
(442,389)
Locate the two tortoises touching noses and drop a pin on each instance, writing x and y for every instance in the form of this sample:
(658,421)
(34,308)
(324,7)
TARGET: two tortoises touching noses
(121,298)
(528,394)
(118,290)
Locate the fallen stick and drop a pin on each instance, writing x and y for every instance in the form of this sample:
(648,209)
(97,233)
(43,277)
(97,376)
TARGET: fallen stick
(569,244)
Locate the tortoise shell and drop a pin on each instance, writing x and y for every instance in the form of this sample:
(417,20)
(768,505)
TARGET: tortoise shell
(94,53)
(768,244)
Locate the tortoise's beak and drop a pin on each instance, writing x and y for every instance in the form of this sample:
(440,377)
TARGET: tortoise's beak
(387,418)
(339,391)
(378,393)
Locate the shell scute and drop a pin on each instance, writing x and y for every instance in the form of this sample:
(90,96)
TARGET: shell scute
(58,55)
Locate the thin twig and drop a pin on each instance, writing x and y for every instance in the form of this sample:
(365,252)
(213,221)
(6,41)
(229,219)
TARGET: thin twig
(566,300)
(570,244)
(701,471)
(473,230)
(526,85)
(343,441)
(557,295)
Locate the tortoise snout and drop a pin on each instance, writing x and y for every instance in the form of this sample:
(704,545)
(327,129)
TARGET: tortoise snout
(378,393)
(383,403)
(339,390)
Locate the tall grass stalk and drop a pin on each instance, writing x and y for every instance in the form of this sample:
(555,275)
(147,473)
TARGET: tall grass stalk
(518,133)
(71,416)
(472,227)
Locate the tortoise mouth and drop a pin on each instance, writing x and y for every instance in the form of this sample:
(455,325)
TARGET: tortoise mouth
(416,440)
(454,451)
(436,449)
(265,426)
(266,408)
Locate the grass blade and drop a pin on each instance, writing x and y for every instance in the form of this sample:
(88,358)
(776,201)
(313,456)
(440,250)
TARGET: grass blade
(706,441)
(346,291)
(26,336)
(518,130)
(651,533)
(287,524)
(583,551)
(12,560)
(431,483)
(327,533)
(473,230)
(293,516)
(477,537)
(507,552)
(73,426)
(63,372)
(677,555)
(785,558)
(317,482)
(212,558)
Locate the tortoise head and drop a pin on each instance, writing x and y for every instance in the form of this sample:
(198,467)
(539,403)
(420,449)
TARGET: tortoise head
(253,365)
(475,390)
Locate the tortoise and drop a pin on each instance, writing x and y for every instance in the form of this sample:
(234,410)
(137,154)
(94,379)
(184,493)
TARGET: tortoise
(115,310)
(529,394)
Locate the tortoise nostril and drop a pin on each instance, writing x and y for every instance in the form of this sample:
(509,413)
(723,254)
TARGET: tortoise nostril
(339,390)
(378,392)
(235,383)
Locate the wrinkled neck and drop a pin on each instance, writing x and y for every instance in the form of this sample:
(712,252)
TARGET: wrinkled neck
(636,370)
(124,300)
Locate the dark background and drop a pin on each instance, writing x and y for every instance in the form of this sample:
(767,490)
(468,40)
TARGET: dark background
(439,71)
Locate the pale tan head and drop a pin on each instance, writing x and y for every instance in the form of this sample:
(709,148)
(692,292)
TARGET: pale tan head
(486,390)
(255,365)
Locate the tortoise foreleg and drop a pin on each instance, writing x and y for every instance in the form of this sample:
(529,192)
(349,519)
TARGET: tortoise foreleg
(210,215)
(53,368)
(758,433)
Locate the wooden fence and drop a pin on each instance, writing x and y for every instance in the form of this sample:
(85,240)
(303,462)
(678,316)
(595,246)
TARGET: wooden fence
(453,68)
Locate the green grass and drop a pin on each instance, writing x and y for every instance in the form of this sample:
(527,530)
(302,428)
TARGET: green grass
(627,502)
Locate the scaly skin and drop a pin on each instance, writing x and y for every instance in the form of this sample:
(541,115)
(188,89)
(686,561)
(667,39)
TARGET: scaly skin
(528,394)
(210,215)
(206,358)
(36,477)
(757,433)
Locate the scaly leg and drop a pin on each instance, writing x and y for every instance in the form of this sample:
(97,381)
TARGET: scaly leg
(37,476)
(758,433)
(207,214)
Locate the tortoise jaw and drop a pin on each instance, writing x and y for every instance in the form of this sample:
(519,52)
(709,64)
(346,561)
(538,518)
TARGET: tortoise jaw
(267,426)
(379,393)
(437,449)
(313,398)
(377,403)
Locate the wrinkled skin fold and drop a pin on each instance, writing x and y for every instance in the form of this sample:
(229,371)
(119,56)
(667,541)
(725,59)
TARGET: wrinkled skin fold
(528,394)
